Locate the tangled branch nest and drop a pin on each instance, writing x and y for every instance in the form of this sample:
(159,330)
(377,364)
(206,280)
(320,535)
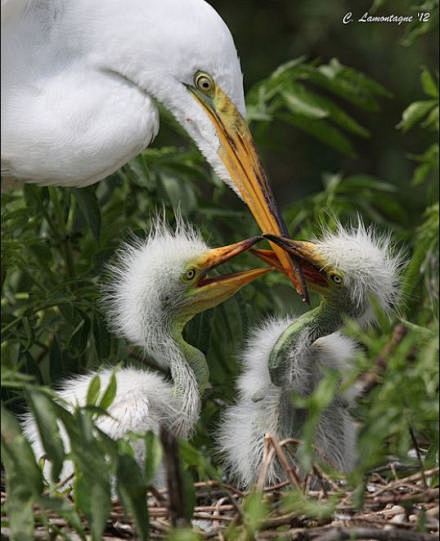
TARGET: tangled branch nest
(394,508)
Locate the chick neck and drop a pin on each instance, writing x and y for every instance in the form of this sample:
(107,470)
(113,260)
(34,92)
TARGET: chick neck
(190,375)
(300,334)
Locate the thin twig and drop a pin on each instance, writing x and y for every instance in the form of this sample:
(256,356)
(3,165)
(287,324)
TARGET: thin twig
(268,454)
(410,479)
(290,471)
(350,534)
(419,455)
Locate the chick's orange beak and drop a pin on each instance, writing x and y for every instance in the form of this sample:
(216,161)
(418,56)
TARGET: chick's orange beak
(216,256)
(312,264)
(209,291)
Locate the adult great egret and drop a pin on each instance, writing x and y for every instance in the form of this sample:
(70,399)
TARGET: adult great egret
(80,82)
(347,269)
(156,287)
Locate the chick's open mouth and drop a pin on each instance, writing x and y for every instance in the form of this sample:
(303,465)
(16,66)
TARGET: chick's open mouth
(206,280)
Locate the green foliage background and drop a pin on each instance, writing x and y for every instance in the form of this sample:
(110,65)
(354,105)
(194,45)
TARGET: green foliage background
(350,129)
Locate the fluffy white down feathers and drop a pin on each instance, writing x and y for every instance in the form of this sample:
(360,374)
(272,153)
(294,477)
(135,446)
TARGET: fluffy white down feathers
(368,260)
(241,434)
(370,266)
(144,283)
(143,400)
(144,274)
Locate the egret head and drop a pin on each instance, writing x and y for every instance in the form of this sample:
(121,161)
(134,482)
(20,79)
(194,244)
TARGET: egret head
(186,59)
(350,268)
(157,285)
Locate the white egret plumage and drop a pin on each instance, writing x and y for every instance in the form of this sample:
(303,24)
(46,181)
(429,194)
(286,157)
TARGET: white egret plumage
(80,86)
(291,355)
(156,287)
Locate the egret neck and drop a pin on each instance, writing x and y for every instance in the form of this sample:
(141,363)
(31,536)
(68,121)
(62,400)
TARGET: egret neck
(196,362)
(189,374)
(321,321)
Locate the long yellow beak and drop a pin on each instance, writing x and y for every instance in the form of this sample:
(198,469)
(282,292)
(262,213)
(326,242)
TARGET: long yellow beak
(238,153)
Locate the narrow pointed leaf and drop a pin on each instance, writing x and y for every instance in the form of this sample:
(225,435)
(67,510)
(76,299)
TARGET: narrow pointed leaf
(153,456)
(47,424)
(132,490)
(24,480)
(430,86)
(323,131)
(93,390)
(109,393)
(414,113)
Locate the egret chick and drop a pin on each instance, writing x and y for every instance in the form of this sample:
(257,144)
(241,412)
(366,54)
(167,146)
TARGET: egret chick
(347,268)
(156,286)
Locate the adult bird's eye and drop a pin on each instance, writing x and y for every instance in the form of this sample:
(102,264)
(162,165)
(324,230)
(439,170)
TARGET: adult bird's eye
(203,81)
(189,274)
(336,279)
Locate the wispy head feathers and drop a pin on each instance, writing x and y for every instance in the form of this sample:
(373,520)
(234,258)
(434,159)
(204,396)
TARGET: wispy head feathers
(369,261)
(144,282)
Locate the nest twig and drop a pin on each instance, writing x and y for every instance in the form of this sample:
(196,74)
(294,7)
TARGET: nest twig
(393,508)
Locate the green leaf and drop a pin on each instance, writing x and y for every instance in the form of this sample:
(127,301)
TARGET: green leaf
(348,84)
(377,4)
(429,163)
(301,504)
(336,71)
(340,117)
(189,491)
(92,497)
(432,120)
(287,68)
(153,456)
(255,511)
(143,175)
(430,86)
(55,360)
(24,481)
(109,393)
(421,173)
(368,182)
(93,390)
(48,429)
(89,207)
(65,509)
(426,238)
(19,458)
(179,192)
(101,337)
(321,130)
(80,335)
(132,490)
(414,113)
(192,457)
(183,534)
(301,103)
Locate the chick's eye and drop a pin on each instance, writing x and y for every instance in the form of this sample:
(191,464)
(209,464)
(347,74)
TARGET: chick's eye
(189,274)
(203,81)
(336,279)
